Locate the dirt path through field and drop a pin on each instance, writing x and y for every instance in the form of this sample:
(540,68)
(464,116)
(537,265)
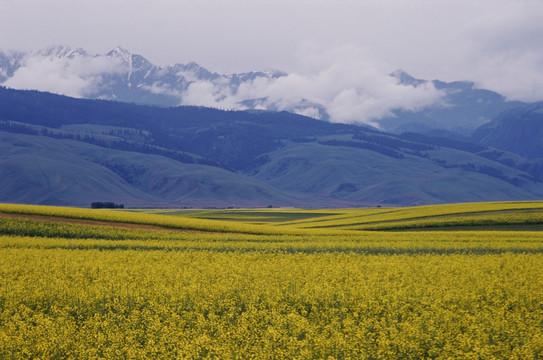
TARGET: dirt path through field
(95,222)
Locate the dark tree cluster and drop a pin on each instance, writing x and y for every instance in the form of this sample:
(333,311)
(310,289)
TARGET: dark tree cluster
(365,145)
(106,205)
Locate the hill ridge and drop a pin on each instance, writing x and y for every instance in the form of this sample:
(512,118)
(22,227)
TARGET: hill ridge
(194,156)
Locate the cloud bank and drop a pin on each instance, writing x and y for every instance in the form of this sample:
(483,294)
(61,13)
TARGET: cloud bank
(506,54)
(348,86)
(77,75)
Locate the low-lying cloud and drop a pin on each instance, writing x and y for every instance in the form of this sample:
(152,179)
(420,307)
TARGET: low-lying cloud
(503,51)
(349,89)
(77,76)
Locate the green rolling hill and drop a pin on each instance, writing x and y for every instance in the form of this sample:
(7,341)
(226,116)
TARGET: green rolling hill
(361,176)
(63,151)
(42,170)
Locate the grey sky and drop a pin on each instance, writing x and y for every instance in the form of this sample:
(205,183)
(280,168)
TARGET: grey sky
(497,43)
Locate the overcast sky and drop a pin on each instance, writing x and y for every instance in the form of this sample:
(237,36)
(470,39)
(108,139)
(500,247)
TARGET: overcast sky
(496,43)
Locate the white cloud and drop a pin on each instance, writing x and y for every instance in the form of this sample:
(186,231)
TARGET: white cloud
(503,51)
(206,93)
(350,87)
(313,112)
(162,89)
(189,76)
(77,77)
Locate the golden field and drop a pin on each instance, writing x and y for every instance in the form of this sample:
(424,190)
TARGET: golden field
(462,281)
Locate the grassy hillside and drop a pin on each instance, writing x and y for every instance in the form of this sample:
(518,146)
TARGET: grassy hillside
(41,170)
(360,176)
(189,156)
(519,130)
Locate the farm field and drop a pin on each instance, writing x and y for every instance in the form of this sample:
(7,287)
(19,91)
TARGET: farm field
(460,281)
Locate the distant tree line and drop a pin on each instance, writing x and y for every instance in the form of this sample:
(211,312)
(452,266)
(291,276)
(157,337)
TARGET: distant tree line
(365,145)
(443,142)
(391,142)
(124,145)
(106,205)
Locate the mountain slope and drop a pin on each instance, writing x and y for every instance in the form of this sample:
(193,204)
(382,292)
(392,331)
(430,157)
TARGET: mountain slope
(189,156)
(43,170)
(362,176)
(463,108)
(519,130)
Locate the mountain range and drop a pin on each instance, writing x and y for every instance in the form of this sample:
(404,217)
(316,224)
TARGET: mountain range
(457,108)
(60,150)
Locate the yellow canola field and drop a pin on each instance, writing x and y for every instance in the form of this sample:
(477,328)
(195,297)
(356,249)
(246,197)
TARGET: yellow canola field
(435,216)
(155,304)
(173,222)
(91,291)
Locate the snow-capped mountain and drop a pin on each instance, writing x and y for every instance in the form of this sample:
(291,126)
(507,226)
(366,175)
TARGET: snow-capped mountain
(9,63)
(118,75)
(392,102)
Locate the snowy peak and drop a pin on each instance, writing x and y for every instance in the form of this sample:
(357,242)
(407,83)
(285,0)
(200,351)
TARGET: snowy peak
(9,61)
(194,72)
(61,52)
(135,66)
(120,53)
(404,78)
(124,76)
(127,57)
